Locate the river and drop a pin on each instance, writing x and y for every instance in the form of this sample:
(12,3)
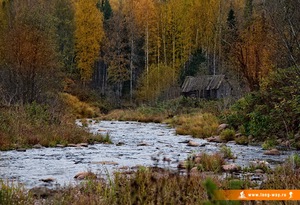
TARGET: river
(134,144)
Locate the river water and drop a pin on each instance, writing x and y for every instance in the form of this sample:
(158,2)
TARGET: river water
(134,144)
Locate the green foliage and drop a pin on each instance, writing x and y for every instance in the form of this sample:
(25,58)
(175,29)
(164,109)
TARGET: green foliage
(227,135)
(242,140)
(14,194)
(294,160)
(194,66)
(273,111)
(269,144)
(226,152)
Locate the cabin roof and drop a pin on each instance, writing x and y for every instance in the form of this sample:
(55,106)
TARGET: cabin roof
(203,82)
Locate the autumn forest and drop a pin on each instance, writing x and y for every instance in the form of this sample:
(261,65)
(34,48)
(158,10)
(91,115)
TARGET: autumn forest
(98,55)
(141,50)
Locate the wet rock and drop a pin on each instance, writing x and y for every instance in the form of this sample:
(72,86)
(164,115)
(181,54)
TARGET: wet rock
(37,146)
(142,144)
(230,168)
(120,144)
(82,145)
(193,144)
(222,127)
(216,139)
(185,141)
(272,152)
(21,150)
(181,165)
(71,145)
(47,180)
(204,144)
(165,159)
(60,146)
(85,175)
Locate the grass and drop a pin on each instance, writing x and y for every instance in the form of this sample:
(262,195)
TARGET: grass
(25,126)
(200,125)
(154,186)
(145,186)
(12,194)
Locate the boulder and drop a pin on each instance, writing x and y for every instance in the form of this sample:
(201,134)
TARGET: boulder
(258,164)
(21,150)
(193,144)
(82,145)
(120,143)
(182,165)
(230,168)
(47,180)
(37,146)
(222,127)
(72,145)
(60,146)
(272,152)
(85,175)
(216,139)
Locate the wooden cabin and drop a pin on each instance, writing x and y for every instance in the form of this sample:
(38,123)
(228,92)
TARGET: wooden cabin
(206,86)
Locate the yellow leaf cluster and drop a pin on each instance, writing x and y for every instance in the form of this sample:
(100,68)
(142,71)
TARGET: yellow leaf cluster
(88,35)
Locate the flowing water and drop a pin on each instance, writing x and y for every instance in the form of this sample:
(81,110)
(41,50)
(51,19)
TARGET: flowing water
(134,144)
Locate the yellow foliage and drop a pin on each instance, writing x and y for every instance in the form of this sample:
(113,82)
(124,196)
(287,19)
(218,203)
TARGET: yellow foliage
(158,80)
(79,108)
(88,34)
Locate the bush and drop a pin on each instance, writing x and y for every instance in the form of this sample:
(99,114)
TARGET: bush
(227,135)
(272,111)
(226,152)
(242,140)
(269,144)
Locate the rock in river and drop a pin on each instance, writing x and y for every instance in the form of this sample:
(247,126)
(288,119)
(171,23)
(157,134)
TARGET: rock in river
(230,168)
(85,175)
(272,152)
(193,144)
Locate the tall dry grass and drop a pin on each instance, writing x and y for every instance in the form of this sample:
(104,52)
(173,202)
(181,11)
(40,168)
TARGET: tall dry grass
(199,125)
(28,125)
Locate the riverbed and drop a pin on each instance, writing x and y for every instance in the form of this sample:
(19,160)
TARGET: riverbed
(134,144)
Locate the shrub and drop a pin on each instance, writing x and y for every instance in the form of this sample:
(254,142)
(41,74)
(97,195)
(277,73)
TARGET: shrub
(269,144)
(273,110)
(79,108)
(227,135)
(241,140)
(226,152)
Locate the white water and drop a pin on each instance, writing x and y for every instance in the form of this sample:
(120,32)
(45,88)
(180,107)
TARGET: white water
(63,164)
